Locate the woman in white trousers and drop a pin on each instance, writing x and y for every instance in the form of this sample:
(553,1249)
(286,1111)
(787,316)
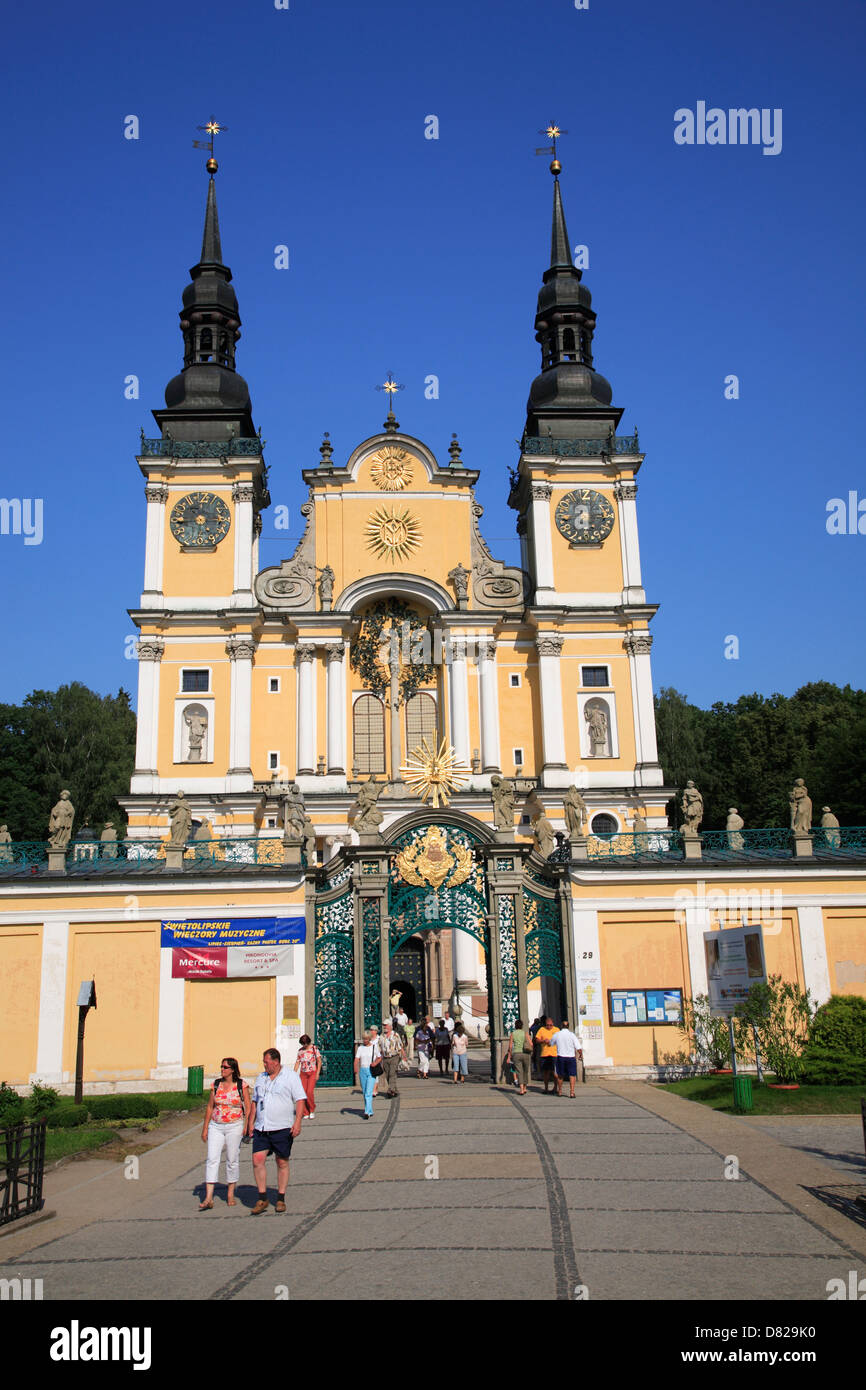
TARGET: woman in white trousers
(225,1120)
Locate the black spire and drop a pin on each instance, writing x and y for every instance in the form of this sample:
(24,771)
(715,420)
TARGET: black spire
(567,390)
(208,399)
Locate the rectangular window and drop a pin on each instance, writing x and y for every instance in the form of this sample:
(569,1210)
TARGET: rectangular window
(273,685)
(194,682)
(518,757)
(595,675)
(271,822)
(273,761)
(514,680)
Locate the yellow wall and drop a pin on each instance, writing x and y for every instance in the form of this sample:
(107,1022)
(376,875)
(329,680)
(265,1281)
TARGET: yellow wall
(845,934)
(228,1018)
(19,1003)
(642,951)
(121,1033)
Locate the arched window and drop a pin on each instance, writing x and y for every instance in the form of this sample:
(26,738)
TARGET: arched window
(421,722)
(568,343)
(368,738)
(205,345)
(604,825)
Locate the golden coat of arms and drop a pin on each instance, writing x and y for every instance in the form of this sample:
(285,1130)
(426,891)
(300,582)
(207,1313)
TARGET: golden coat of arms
(431,859)
(391,469)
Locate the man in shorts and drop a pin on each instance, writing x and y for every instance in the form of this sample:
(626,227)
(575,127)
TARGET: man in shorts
(568,1048)
(279,1102)
(544,1037)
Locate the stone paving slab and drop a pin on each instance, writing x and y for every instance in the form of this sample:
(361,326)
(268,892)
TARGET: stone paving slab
(695,1232)
(616,1194)
(458,1166)
(421,1228)
(371,1274)
(679,1275)
(836,1139)
(503,1195)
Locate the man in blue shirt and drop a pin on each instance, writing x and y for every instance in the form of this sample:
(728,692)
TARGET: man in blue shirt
(278,1106)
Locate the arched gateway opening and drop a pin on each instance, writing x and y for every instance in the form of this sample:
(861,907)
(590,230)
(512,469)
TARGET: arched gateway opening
(376,903)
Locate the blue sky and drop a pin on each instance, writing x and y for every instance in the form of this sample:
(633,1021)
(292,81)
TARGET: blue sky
(425,257)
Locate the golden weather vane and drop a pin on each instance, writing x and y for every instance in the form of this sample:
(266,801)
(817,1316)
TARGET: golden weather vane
(553,133)
(211,129)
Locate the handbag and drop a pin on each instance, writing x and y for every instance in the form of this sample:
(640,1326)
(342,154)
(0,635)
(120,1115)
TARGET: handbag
(376,1068)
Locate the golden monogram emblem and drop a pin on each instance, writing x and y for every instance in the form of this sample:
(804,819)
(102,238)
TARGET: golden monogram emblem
(391,469)
(431,859)
(393,534)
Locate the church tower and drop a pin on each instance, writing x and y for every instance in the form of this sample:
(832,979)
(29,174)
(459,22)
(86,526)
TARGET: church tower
(206,486)
(574,491)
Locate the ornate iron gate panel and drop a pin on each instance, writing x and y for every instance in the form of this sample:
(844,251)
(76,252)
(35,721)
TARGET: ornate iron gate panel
(371,932)
(335,988)
(507,928)
(543,942)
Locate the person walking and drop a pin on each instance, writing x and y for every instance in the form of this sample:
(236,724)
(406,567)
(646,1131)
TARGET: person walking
(393,1052)
(279,1101)
(544,1037)
(442,1045)
(424,1044)
(226,1117)
(568,1048)
(309,1068)
(460,1053)
(374,1029)
(367,1055)
(535,1055)
(410,1040)
(520,1054)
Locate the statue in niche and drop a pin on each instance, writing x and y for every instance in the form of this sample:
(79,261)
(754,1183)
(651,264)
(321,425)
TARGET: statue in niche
(733,825)
(596,720)
(801,808)
(692,807)
(326,588)
(60,824)
(545,840)
(5,842)
(181,821)
(368,817)
(502,793)
(196,723)
(830,825)
(574,807)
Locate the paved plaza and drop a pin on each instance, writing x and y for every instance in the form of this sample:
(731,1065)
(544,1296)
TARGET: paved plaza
(471,1192)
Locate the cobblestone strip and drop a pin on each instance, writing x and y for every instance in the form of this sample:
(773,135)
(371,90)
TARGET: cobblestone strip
(564,1258)
(330,1204)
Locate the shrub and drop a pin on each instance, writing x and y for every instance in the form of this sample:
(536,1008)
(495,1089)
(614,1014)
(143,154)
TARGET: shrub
(42,1101)
(707,1035)
(836,1054)
(12,1108)
(782,1014)
(68,1117)
(122,1107)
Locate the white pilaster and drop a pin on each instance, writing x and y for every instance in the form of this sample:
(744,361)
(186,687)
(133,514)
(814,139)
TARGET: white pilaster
(587,955)
(150,650)
(813,947)
(698,921)
(335,653)
(169,1044)
(459,689)
(542,541)
(648,773)
(154,545)
(305,660)
(489,690)
(52,1003)
(632,590)
(465,957)
(241,651)
(555,771)
(242,497)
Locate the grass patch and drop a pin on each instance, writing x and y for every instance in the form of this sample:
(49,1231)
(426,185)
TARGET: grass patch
(63,1143)
(718,1093)
(60,1143)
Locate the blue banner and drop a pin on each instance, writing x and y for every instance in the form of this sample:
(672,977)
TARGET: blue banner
(234,931)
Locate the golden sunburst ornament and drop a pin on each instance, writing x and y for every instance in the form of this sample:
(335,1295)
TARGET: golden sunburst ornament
(391,469)
(435,773)
(393,535)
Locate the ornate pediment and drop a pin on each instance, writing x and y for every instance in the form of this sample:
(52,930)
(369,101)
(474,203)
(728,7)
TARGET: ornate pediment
(291,585)
(494,585)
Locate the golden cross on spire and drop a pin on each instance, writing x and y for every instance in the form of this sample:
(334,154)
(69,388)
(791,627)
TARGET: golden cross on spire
(211,129)
(391,423)
(553,133)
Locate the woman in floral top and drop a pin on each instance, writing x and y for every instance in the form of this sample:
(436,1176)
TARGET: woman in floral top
(226,1118)
(309,1068)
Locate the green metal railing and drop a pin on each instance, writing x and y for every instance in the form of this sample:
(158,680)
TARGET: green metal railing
(241,447)
(22,856)
(649,846)
(121,856)
(771,843)
(848,841)
(583,448)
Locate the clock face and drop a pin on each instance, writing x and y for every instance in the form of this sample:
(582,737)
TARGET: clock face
(200,521)
(584,517)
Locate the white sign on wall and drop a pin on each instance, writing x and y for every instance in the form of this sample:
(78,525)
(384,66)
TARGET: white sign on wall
(735,962)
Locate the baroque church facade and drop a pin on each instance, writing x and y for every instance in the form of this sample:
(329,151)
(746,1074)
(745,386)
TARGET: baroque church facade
(394,761)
